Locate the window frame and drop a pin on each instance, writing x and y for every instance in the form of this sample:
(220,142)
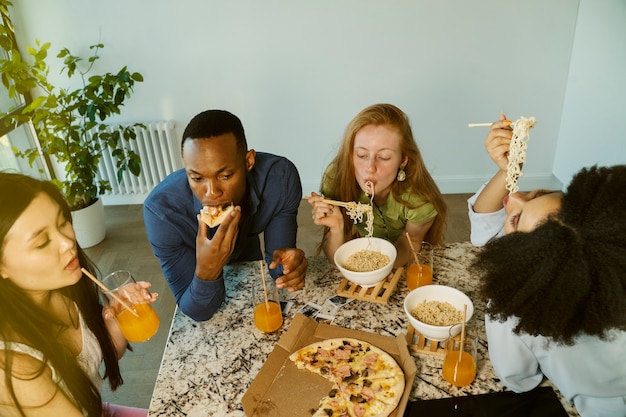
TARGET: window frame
(8,39)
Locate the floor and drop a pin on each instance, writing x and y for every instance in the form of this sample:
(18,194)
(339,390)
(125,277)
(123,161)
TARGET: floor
(126,247)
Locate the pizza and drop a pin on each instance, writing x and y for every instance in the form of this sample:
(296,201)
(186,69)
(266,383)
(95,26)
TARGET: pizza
(214,215)
(367,381)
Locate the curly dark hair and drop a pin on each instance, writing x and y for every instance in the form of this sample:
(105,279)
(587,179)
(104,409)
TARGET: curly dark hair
(568,276)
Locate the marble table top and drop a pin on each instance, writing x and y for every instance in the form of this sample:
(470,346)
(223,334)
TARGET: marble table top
(208,366)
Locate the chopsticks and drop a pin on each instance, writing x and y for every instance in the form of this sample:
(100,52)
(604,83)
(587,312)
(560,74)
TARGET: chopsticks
(479,124)
(506,122)
(349,205)
(108,291)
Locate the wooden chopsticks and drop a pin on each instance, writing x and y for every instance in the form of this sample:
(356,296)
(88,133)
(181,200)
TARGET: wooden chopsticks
(349,205)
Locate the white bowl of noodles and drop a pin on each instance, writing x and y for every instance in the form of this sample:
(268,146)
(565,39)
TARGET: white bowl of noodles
(436,311)
(365,268)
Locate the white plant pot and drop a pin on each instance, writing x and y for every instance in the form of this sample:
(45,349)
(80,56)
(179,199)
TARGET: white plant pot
(89,224)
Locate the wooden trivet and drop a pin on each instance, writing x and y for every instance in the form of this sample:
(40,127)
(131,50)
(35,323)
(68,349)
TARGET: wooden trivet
(420,344)
(378,294)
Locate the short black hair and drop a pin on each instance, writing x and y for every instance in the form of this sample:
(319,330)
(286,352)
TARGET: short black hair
(212,123)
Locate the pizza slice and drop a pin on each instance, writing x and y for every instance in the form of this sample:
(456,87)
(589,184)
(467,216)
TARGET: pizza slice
(370,408)
(213,216)
(387,390)
(333,405)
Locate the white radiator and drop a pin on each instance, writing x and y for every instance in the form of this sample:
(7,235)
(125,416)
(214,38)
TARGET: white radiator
(159,150)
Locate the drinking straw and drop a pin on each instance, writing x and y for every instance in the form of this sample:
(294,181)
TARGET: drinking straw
(267,304)
(412,248)
(462,332)
(108,291)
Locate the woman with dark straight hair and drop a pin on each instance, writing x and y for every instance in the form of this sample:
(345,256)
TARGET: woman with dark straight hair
(54,330)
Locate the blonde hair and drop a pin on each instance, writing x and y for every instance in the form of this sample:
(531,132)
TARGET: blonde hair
(343,185)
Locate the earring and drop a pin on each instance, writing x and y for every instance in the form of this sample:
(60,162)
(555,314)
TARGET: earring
(401,175)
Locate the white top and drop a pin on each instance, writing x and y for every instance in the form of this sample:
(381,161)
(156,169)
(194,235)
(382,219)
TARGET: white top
(591,373)
(484,226)
(89,358)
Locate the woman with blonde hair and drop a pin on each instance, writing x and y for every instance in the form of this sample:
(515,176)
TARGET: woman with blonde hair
(379,162)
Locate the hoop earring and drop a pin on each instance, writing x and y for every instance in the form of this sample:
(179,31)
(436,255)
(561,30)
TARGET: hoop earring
(401,175)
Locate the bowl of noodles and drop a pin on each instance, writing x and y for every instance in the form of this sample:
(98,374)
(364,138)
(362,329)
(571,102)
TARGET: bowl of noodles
(436,311)
(365,261)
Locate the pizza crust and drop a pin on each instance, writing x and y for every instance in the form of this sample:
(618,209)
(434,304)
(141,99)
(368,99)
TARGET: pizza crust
(368,382)
(213,216)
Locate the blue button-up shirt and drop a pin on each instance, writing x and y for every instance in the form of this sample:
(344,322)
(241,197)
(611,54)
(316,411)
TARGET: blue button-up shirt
(273,195)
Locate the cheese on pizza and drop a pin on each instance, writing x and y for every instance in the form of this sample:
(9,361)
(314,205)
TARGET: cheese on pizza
(367,381)
(517,151)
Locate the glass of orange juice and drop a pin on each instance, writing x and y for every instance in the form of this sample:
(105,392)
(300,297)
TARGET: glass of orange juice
(140,322)
(268,316)
(420,270)
(459,363)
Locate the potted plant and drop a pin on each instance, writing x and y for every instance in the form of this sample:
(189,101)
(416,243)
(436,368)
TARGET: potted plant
(71,122)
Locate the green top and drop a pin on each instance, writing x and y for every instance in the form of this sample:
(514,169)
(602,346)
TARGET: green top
(391,217)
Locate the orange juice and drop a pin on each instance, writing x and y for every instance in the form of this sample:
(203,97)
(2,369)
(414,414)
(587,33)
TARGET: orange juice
(418,275)
(268,320)
(458,372)
(138,329)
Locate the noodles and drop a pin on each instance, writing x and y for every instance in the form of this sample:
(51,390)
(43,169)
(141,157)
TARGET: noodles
(369,226)
(366,260)
(437,313)
(356,210)
(517,152)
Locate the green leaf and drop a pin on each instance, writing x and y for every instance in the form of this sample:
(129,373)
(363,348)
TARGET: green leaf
(71,123)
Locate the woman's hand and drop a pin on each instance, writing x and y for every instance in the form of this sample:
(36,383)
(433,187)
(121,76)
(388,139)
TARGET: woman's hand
(325,214)
(129,294)
(498,142)
(113,307)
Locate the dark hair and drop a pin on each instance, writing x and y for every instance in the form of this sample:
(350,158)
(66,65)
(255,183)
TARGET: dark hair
(212,123)
(21,320)
(418,180)
(568,276)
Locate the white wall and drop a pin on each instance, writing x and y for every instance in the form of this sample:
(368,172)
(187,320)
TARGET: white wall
(594,111)
(296,72)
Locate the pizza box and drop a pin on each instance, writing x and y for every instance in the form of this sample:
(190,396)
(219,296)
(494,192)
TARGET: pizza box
(282,390)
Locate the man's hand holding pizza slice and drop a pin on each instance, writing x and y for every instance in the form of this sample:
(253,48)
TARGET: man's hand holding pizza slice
(212,254)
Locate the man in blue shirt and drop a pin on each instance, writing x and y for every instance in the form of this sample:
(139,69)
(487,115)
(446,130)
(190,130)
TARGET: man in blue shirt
(220,170)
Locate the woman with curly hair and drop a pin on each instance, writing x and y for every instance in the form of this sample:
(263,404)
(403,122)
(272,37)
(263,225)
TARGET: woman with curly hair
(378,150)
(557,297)
(54,331)
(492,211)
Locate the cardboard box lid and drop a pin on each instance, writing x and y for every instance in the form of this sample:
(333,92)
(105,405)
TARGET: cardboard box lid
(282,390)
